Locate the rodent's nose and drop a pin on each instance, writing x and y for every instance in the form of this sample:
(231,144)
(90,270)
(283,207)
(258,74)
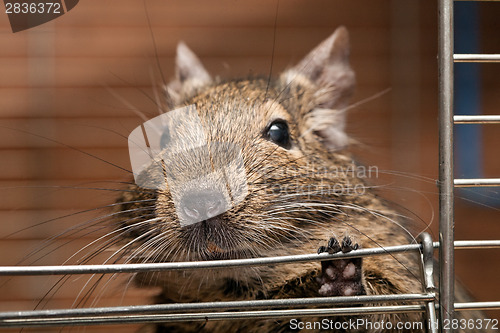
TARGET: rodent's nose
(202,205)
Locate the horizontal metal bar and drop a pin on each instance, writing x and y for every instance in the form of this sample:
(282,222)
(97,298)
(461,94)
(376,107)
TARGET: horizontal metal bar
(209,316)
(477,306)
(476,57)
(119,315)
(480,244)
(477,182)
(134,268)
(476,119)
(233,305)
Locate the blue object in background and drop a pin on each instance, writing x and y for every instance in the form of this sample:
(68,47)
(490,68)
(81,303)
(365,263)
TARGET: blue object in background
(467,101)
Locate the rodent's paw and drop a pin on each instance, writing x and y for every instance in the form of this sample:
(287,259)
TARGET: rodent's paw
(341,277)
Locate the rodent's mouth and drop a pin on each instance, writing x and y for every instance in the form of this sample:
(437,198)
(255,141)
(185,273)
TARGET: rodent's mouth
(214,239)
(215,252)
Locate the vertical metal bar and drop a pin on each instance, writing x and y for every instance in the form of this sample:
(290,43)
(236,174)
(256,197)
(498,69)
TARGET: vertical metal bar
(446,211)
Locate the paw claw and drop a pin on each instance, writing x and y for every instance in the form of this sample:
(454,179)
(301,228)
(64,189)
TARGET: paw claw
(347,245)
(333,244)
(322,249)
(332,247)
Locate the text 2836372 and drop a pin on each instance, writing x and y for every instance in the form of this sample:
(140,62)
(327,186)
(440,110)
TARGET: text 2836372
(33,8)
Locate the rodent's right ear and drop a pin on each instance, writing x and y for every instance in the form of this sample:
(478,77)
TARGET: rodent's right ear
(326,74)
(327,69)
(190,75)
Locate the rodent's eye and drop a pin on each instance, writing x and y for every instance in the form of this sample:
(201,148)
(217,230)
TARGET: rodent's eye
(278,133)
(164,138)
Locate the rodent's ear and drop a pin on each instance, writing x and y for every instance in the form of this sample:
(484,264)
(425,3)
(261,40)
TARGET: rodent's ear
(190,75)
(327,68)
(325,72)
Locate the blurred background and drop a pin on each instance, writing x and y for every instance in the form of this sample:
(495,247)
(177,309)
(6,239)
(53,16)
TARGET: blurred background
(70,89)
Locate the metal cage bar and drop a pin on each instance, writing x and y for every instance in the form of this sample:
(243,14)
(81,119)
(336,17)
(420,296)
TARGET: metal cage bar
(476,57)
(476,119)
(169,266)
(446,203)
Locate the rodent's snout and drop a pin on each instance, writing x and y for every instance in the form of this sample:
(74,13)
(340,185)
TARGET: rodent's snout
(205,230)
(197,206)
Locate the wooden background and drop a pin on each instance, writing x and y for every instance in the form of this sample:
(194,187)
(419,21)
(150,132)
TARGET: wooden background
(69,88)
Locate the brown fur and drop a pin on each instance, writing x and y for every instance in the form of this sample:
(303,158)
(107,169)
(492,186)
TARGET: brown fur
(290,207)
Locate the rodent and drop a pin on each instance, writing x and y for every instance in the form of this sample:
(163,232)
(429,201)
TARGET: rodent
(290,135)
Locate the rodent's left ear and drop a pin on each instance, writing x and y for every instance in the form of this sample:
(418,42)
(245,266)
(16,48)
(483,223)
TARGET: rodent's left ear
(325,72)
(190,75)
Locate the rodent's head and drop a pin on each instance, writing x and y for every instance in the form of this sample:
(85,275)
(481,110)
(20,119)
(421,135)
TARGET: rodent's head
(249,163)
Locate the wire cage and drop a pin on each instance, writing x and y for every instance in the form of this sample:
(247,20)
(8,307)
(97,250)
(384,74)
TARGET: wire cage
(321,306)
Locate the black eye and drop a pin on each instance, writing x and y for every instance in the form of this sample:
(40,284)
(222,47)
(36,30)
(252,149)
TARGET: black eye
(278,133)
(164,138)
